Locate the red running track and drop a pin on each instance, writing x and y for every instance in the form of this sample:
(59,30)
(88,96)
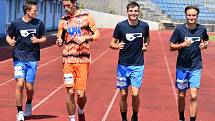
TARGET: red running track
(158,94)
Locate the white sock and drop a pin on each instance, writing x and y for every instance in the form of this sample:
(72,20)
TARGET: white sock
(72,118)
(80,111)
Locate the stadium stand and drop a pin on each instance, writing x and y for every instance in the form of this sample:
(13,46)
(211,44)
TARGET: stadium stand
(175,9)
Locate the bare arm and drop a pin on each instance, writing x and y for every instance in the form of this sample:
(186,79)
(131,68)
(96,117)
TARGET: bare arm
(177,46)
(38,40)
(10,40)
(115,44)
(146,43)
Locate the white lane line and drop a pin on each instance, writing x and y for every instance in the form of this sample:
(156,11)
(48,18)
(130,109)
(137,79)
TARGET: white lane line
(208,72)
(110,105)
(38,68)
(47,97)
(43,49)
(169,72)
(56,90)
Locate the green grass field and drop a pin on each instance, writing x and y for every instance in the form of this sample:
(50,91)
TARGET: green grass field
(212,38)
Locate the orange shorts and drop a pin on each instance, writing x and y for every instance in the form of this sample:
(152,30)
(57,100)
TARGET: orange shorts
(75,75)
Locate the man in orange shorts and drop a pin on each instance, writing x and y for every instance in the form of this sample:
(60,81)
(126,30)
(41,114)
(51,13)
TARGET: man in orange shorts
(75,31)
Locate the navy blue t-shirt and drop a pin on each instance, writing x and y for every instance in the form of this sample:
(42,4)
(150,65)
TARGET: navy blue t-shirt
(133,37)
(189,58)
(24,49)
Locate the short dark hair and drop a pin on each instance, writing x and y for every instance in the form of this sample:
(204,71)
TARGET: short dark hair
(69,0)
(132,4)
(28,4)
(191,7)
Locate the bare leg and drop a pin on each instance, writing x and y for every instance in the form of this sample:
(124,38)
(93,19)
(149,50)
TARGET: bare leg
(19,91)
(82,99)
(181,104)
(135,99)
(181,101)
(193,102)
(123,100)
(29,91)
(70,101)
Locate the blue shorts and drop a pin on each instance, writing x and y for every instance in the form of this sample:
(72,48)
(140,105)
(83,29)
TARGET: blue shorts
(129,75)
(188,79)
(26,70)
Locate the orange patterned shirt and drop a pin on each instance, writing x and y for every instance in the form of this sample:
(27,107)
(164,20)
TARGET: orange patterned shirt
(69,28)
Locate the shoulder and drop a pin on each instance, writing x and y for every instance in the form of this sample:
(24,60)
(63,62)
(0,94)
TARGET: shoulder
(199,26)
(65,17)
(123,23)
(16,21)
(143,24)
(180,27)
(84,12)
(36,21)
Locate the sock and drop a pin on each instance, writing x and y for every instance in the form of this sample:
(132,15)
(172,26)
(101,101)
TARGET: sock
(124,115)
(134,114)
(72,118)
(181,114)
(80,111)
(192,118)
(19,108)
(29,101)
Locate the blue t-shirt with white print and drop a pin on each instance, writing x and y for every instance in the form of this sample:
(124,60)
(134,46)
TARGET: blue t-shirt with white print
(24,49)
(189,58)
(133,37)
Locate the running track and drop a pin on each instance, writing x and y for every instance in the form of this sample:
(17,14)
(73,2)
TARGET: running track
(158,94)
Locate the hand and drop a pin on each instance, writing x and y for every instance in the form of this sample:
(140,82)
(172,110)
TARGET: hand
(59,42)
(144,48)
(80,39)
(121,45)
(187,42)
(203,45)
(12,42)
(34,39)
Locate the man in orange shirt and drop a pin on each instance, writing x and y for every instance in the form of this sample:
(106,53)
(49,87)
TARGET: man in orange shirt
(76,29)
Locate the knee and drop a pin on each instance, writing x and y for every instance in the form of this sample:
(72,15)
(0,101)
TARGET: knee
(124,95)
(20,86)
(81,94)
(135,94)
(70,92)
(181,96)
(193,98)
(29,87)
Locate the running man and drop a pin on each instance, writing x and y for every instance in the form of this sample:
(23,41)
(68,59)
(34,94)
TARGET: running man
(75,31)
(131,37)
(189,39)
(25,35)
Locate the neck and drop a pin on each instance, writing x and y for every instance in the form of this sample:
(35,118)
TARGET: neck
(75,12)
(133,23)
(191,26)
(26,18)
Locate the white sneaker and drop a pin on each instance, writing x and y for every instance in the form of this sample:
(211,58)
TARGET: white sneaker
(28,110)
(20,116)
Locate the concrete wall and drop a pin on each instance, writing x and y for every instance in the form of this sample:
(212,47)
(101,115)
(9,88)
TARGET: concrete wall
(105,20)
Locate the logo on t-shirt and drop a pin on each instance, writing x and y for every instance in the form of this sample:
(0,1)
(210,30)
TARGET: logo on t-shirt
(132,36)
(193,39)
(25,33)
